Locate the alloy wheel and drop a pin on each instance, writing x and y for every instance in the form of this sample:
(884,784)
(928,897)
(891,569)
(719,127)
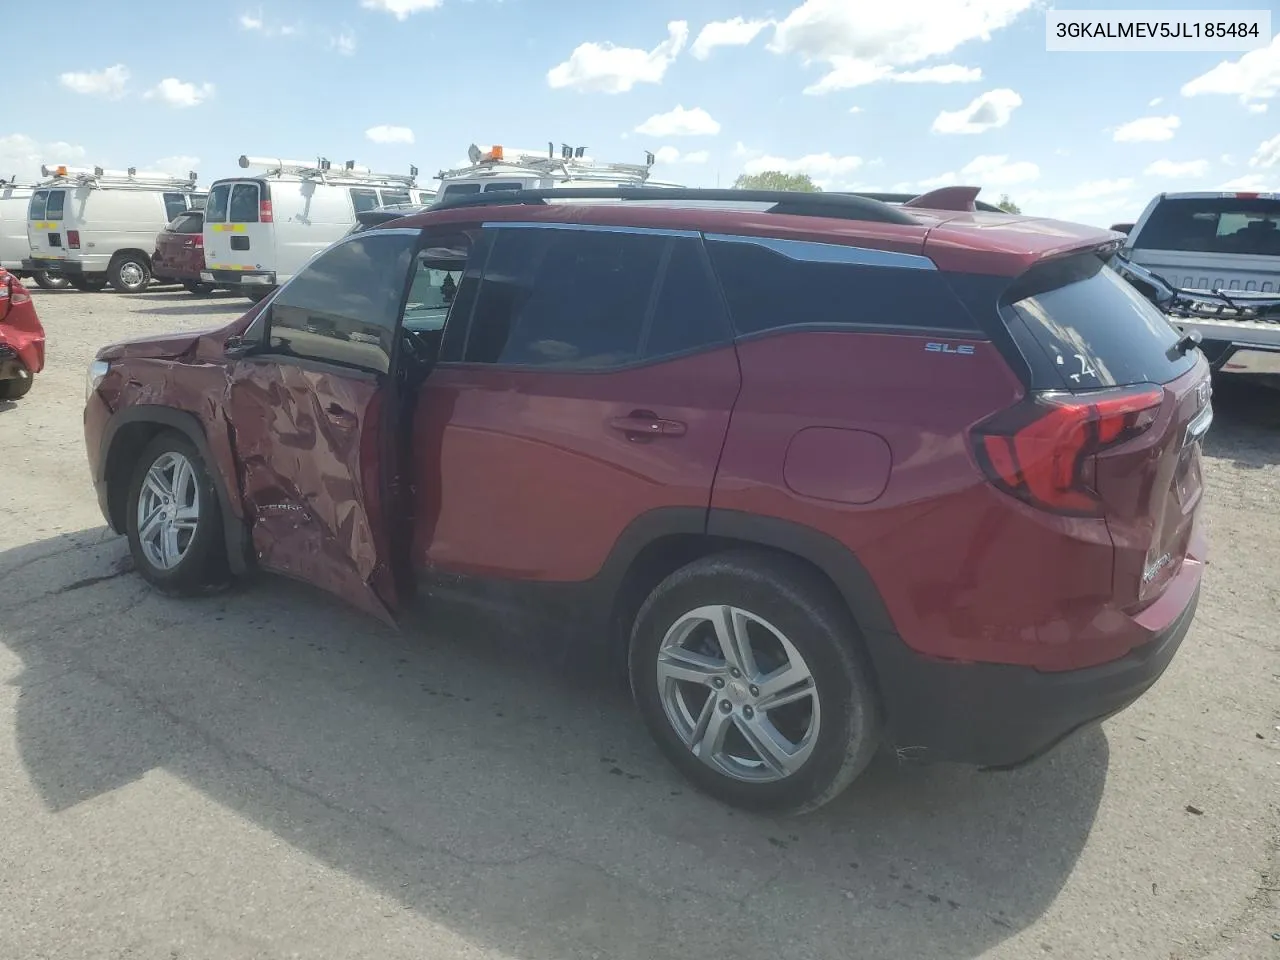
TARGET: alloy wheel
(168,510)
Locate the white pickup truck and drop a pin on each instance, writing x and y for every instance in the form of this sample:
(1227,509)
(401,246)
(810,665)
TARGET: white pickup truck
(1211,261)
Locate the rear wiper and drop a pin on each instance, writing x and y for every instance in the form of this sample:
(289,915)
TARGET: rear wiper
(1186,343)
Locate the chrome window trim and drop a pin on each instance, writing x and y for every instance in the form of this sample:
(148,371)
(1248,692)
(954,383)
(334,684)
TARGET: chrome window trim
(810,251)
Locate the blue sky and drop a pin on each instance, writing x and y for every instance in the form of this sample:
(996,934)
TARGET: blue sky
(861,95)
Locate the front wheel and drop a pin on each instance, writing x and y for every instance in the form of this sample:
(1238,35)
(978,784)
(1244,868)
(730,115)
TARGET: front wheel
(174,520)
(15,388)
(129,273)
(747,671)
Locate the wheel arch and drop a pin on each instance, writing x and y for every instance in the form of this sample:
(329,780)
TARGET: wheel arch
(123,440)
(138,251)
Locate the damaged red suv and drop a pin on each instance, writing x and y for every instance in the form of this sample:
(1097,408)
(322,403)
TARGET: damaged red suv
(21,339)
(826,474)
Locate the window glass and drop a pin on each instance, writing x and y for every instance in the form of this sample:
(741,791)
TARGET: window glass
(215,211)
(499,187)
(244,203)
(174,204)
(438,270)
(1238,225)
(362,199)
(394,196)
(689,312)
(35,211)
(460,188)
(793,283)
(1095,328)
(564,297)
(343,306)
(197,200)
(55,205)
(187,223)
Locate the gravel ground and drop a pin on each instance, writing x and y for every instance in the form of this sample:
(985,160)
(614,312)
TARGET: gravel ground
(265,774)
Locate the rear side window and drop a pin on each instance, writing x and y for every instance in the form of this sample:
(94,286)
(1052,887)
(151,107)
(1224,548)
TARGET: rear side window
(244,203)
(187,223)
(775,284)
(342,308)
(174,204)
(215,210)
(564,298)
(1239,225)
(39,199)
(362,199)
(56,205)
(1094,328)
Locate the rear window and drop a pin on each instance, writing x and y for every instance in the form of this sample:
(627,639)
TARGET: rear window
(1094,328)
(38,201)
(244,203)
(362,199)
(215,210)
(458,189)
(1239,225)
(52,207)
(394,196)
(499,187)
(187,223)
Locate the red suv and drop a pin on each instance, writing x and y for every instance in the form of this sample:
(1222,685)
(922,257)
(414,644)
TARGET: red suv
(827,473)
(179,253)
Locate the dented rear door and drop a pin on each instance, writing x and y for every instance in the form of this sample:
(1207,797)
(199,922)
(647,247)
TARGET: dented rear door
(313,414)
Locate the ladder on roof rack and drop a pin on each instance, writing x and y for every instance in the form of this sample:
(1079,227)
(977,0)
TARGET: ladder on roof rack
(324,169)
(840,206)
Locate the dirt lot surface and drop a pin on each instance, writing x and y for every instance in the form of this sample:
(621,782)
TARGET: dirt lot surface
(265,774)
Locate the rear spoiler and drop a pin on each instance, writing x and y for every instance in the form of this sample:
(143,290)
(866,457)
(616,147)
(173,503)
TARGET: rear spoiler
(373,218)
(1187,304)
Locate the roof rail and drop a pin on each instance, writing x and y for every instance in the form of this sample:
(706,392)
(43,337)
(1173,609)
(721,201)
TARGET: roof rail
(840,206)
(904,199)
(98,177)
(325,169)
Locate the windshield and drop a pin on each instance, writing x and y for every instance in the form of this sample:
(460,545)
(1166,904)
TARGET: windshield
(1225,225)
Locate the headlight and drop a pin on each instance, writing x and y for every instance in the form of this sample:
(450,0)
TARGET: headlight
(97,370)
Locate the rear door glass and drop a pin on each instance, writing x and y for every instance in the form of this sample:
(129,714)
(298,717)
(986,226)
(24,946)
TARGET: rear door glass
(55,205)
(174,204)
(187,223)
(1239,225)
(39,200)
(215,210)
(244,203)
(1094,328)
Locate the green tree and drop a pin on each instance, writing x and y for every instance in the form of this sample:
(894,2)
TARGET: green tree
(1007,205)
(776,180)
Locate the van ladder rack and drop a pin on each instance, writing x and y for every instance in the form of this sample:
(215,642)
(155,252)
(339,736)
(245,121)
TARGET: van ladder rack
(324,170)
(62,174)
(840,206)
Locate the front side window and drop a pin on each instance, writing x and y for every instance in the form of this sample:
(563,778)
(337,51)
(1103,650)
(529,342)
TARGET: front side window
(215,210)
(56,205)
(438,270)
(39,200)
(244,203)
(343,307)
(564,298)
(174,204)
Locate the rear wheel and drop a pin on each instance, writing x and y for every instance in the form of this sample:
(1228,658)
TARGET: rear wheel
(46,282)
(87,284)
(746,669)
(174,520)
(17,387)
(129,273)
(197,287)
(256,295)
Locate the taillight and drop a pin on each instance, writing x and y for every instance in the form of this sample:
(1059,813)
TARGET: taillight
(73,239)
(264,211)
(199,240)
(1042,450)
(6,295)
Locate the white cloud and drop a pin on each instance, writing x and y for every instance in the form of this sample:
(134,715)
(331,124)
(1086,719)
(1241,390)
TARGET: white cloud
(257,23)
(859,73)
(740,149)
(386,134)
(672,155)
(1255,76)
(344,43)
(826,171)
(1101,202)
(866,43)
(605,68)
(1155,101)
(726,33)
(179,93)
(680,123)
(988,111)
(1252,183)
(1177,170)
(855,109)
(21,155)
(1257,108)
(400,9)
(1147,130)
(1267,154)
(109,83)
(178,166)
(933,183)
(998,171)
(250,21)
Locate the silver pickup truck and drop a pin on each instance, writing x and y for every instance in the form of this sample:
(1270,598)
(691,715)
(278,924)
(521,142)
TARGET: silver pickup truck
(1212,262)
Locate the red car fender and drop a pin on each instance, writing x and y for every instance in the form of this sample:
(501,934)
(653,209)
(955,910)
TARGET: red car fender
(20,328)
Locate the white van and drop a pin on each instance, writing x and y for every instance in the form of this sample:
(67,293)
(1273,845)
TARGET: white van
(96,226)
(15,198)
(497,168)
(259,231)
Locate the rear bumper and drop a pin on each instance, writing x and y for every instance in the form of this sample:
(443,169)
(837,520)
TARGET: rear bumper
(1251,360)
(996,715)
(53,265)
(256,279)
(176,268)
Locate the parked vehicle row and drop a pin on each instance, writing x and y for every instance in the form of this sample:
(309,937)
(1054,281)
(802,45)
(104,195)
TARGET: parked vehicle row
(824,473)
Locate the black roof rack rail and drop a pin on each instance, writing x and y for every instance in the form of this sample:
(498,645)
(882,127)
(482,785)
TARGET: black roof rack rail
(840,206)
(902,198)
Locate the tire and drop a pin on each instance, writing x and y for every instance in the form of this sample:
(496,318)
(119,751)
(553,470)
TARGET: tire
(199,563)
(129,273)
(259,295)
(776,597)
(197,287)
(15,388)
(87,284)
(46,282)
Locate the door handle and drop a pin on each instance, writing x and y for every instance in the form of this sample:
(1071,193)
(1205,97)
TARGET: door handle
(644,423)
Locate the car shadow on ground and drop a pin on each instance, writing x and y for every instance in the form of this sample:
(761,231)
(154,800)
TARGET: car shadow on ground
(520,804)
(1246,426)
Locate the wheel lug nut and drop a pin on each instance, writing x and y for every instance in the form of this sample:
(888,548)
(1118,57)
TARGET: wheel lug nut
(718,683)
(748,712)
(735,672)
(755,691)
(725,706)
